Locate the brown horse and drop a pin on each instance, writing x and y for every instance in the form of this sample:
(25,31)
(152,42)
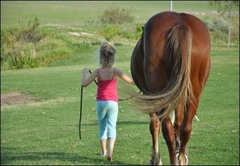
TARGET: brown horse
(170,64)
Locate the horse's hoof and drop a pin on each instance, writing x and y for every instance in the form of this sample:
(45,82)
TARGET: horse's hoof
(186,158)
(178,157)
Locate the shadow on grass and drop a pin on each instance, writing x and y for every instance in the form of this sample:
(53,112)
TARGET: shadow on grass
(132,122)
(119,122)
(12,157)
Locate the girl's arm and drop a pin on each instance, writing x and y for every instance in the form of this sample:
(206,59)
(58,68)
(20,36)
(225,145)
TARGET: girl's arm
(87,81)
(123,76)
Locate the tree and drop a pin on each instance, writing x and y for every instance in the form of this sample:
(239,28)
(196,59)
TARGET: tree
(224,7)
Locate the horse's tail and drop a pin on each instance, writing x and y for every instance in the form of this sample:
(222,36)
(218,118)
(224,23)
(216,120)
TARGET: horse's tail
(179,88)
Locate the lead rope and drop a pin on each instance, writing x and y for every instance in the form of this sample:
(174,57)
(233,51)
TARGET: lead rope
(80,118)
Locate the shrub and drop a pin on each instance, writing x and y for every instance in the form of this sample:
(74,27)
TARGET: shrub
(218,28)
(29,46)
(29,33)
(110,31)
(220,25)
(131,31)
(18,46)
(217,25)
(115,15)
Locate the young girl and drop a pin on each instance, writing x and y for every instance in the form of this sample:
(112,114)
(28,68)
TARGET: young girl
(107,96)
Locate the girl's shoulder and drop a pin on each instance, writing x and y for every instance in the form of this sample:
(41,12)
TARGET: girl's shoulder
(116,69)
(95,72)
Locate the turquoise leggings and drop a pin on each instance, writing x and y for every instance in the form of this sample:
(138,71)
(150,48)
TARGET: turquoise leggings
(107,112)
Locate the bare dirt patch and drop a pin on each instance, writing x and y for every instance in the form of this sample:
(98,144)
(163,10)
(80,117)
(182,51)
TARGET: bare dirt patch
(15,98)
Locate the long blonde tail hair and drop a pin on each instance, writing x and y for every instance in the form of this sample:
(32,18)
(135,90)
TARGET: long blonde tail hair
(179,88)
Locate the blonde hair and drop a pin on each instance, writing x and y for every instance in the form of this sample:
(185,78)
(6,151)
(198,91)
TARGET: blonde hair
(106,54)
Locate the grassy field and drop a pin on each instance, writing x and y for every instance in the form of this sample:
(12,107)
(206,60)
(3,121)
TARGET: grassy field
(43,128)
(76,13)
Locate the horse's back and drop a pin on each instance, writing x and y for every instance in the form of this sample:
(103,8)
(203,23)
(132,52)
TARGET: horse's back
(158,26)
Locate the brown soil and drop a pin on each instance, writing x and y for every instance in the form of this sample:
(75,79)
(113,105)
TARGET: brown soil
(14,98)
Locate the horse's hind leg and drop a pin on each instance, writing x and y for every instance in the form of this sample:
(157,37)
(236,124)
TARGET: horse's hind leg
(155,130)
(186,129)
(179,115)
(168,134)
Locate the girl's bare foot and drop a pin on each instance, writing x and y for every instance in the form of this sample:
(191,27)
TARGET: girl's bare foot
(110,158)
(103,153)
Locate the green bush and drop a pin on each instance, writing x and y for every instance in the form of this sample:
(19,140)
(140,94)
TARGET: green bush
(116,15)
(131,31)
(30,46)
(110,31)
(18,46)
(29,32)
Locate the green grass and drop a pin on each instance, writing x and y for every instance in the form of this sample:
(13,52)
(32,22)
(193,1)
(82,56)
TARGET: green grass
(79,12)
(46,131)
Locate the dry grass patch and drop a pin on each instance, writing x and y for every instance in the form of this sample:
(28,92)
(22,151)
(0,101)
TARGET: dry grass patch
(15,98)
